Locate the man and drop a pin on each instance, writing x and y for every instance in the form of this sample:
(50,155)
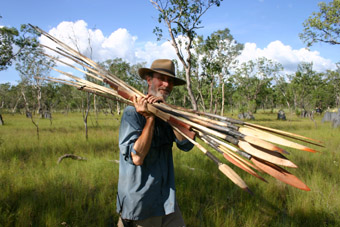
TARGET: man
(146,186)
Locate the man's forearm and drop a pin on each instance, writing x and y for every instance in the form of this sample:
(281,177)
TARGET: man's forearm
(143,143)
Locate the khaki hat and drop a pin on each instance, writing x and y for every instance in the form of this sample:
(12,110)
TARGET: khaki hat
(162,66)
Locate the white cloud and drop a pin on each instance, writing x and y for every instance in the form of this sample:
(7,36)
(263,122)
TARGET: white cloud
(119,44)
(122,44)
(287,56)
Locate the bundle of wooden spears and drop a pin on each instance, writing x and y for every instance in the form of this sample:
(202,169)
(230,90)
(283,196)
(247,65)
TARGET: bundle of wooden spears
(246,145)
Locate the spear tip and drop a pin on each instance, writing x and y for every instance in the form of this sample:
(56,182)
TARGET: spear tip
(309,150)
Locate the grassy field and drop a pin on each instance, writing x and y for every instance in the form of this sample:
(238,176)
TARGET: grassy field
(37,191)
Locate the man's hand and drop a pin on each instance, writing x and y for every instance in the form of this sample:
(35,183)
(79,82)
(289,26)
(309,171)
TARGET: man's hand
(153,99)
(142,107)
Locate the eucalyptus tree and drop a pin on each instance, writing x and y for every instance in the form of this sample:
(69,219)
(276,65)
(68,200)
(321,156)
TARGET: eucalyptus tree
(4,95)
(10,97)
(179,94)
(283,90)
(203,71)
(13,42)
(127,72)
(323,26)
(307,87)
(333,81)
(32,67)
(251,80)
(182,18)
(220,53)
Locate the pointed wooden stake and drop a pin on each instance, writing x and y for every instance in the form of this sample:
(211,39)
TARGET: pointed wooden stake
(280,174)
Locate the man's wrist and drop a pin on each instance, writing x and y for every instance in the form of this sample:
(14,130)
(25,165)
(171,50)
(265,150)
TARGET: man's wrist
(149,117)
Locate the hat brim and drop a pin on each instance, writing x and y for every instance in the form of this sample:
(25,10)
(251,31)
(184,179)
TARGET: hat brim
(146,71)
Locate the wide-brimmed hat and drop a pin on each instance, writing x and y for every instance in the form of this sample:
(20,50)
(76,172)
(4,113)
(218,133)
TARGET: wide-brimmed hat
(162,66)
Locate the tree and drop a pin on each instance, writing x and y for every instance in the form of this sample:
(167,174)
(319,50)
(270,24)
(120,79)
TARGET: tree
(282,90)
(12,44)
(220,52)
(205,80)
(306,85)
(252,79)
(333,80)
(182,18)
(33,66)
(126,72)
(323,26)
(4,94)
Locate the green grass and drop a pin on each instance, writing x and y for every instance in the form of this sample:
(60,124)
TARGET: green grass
(36,191)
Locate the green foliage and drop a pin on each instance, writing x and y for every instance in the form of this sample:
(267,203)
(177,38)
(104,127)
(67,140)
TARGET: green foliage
(323,26)
(182,19)
(252,81)
(184,16)
(254,85)
(11,38)
(332,83)
(308,87)
(215,57)
(126,72)
(297,112)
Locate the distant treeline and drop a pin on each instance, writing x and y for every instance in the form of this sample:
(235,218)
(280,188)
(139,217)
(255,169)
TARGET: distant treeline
(247,89)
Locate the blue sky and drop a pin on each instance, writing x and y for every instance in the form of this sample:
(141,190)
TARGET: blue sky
(269,28)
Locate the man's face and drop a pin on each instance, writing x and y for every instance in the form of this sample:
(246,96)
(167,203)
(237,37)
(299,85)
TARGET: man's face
(160,85)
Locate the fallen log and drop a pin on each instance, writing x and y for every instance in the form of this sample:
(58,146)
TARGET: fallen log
(72,156)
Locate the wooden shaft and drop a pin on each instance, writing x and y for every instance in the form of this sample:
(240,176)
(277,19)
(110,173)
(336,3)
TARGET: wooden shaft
(239,122)
(194,117)
(226,170)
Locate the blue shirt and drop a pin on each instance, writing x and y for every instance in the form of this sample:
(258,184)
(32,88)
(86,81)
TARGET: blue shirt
(147,190)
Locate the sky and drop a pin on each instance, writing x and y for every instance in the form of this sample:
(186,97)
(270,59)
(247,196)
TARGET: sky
(267,28)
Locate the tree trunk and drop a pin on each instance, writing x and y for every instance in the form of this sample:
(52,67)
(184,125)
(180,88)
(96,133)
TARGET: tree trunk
(202,99)
(82,107)
(95,108)
(211,97)
(199,90)
(222,104)
(191,95)
(39,110)
(14,109)
(295,101)
(118,108)
(28,113)
(215,108)
(1,120)
(25,100)
(86,115)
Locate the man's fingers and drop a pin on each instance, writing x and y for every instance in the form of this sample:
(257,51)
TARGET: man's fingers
(134,99)
(153,99)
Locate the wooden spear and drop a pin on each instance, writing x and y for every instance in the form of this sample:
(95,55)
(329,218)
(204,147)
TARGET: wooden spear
(227,155)
(239,122)
(249,138)
(269,168)
(225,169)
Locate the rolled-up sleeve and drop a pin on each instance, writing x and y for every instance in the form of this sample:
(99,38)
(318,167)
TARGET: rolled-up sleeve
(130,129)
(184,145)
